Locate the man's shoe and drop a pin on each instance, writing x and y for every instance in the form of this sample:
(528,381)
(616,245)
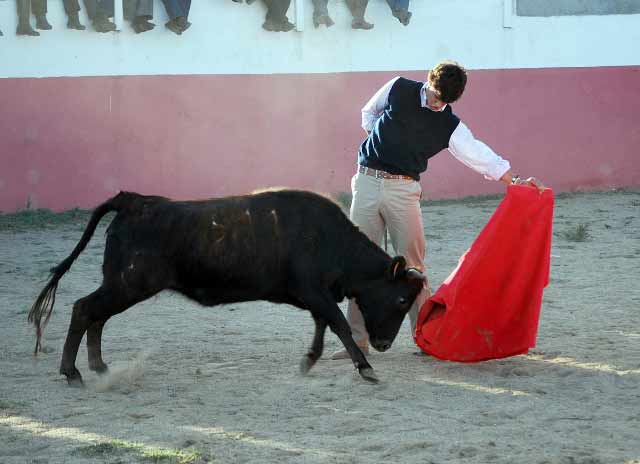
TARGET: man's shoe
(182,23)
(141,24)
(403,16)
(270,26)
(74,22)
(173,27)
(344,354)
(322,19)
(26,29)
(42,23)
(102,24)
(361,24)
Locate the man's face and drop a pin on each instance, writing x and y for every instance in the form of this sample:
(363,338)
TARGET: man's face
(433,103)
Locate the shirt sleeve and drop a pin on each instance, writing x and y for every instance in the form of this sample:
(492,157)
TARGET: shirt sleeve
(375,106)
(477,155)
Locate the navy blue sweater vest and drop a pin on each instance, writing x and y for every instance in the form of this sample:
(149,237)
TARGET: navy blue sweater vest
(406,135)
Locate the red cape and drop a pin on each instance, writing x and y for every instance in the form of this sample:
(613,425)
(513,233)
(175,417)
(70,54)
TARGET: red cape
(490,304)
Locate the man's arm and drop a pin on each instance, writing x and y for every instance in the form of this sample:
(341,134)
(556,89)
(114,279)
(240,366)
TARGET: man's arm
(376,105)
(481,158)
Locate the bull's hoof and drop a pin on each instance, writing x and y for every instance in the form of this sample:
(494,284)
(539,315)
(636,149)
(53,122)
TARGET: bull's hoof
(306,363)
(100,369)
(74,379)
(368,374)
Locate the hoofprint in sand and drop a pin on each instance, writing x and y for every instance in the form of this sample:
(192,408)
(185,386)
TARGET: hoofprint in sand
(194,384)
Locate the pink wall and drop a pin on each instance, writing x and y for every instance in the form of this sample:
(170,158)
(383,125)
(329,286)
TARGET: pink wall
(73,142)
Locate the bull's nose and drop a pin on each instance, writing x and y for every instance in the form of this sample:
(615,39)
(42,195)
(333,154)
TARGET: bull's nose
(381,346)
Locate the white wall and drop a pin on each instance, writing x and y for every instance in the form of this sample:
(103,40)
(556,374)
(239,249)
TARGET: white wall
(227,38)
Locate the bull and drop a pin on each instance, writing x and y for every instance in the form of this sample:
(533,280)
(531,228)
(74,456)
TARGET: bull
(283,246)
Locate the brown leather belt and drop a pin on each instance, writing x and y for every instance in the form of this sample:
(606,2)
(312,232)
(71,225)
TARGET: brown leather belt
(381,174)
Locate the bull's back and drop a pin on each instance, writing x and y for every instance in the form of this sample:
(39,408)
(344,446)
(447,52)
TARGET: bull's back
(245,241)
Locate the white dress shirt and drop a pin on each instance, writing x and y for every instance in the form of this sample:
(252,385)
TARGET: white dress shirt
(462,144)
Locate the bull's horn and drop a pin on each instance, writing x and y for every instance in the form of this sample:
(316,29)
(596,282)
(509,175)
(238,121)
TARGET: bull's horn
(417,274)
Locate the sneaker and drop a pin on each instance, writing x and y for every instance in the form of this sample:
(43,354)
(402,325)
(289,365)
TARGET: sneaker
(344,354)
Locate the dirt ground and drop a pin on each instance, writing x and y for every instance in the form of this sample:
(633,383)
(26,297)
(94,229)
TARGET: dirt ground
(189,384)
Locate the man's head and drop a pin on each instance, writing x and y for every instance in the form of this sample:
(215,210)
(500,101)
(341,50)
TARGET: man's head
(447,81)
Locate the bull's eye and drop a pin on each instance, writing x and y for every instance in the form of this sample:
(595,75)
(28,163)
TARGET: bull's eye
(402,301)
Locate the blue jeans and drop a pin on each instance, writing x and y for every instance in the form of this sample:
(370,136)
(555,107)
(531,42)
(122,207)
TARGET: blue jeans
(398,5)
(177,8)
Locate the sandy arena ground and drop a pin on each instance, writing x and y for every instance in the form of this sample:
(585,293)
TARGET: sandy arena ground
(191,384)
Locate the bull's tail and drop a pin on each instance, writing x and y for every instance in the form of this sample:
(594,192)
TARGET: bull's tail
(43,306)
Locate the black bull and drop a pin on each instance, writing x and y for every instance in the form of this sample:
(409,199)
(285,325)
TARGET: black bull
(284,246)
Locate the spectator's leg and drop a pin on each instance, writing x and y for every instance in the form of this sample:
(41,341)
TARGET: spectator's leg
(100,11)
(72,7)
(321,13)
(182,19)
(276,17)
(39,9)
(178,11)
(400,9)
(140,12)
(24,13)
(357,9)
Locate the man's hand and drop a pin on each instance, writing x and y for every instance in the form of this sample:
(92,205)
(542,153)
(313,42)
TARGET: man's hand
(510,178)
(533,182)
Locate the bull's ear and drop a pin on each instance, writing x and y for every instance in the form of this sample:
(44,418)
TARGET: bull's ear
(398,264)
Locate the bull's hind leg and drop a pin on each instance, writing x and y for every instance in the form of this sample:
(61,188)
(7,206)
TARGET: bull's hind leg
(80,322)
(89,315)
(94,347)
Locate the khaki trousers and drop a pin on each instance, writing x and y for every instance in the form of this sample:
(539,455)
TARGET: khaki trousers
(393,204)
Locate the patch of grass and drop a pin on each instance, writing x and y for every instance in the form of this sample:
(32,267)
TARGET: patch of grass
(147,454)
(174,456)
(579,233)
(100,449)
(39,218)
(580,192)
(7,404)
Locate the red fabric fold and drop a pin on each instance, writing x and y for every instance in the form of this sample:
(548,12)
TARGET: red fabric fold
(489,306)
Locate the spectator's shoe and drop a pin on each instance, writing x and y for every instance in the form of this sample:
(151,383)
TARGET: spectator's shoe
(142,25)
(361,24)
(173,27)
(270,26)
(285,26)
(42,23)
(322,19)
(182,23)
(74,22)
(26,29)
(344,354)
(403,16)
(102,24)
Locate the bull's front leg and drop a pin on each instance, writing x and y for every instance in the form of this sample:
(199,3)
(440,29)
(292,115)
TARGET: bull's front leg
(317,346)
(323,307)
(339,325)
